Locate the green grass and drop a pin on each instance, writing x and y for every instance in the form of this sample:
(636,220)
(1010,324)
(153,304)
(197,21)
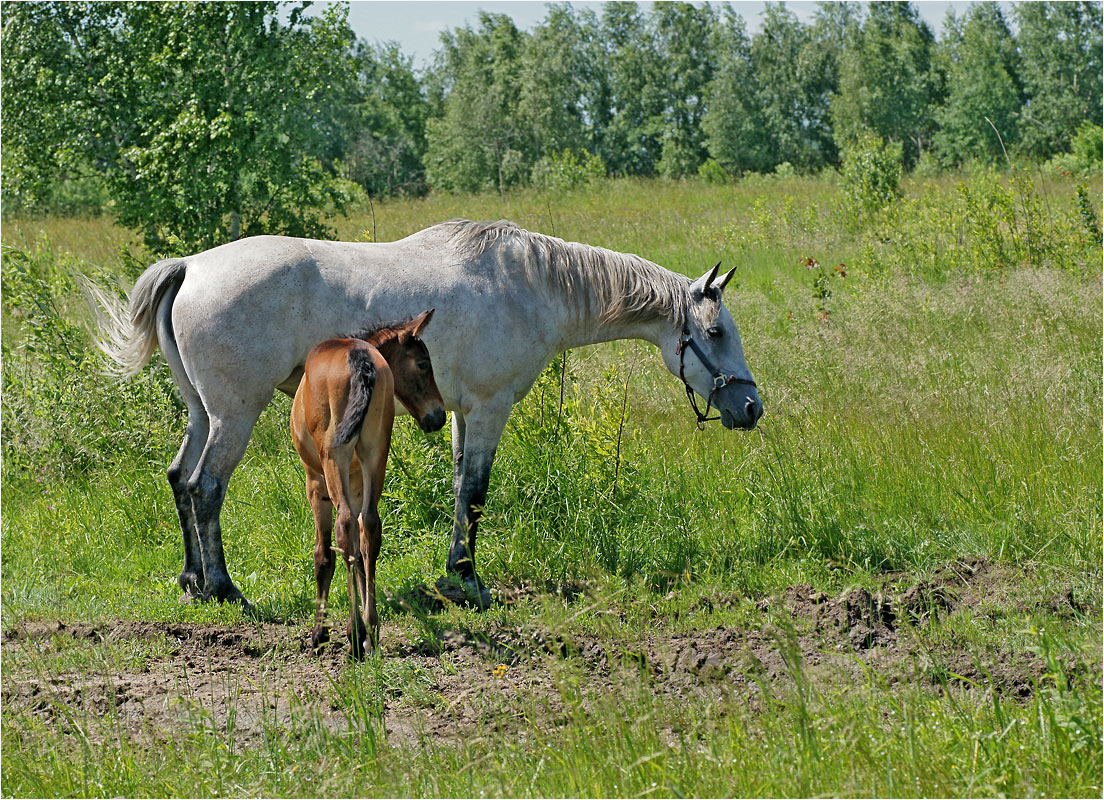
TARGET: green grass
(947,406)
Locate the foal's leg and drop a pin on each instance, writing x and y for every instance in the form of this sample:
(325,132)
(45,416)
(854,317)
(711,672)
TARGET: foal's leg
(348,541)
(373,460)
(324,561)
(483,428)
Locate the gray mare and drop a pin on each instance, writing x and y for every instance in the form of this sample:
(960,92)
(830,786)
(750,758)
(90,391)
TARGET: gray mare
(236,322)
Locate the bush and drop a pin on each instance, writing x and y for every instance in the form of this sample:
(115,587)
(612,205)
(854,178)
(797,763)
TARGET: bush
(566,170)
(871,175)
(61,414)
(1084,158)
(712,172)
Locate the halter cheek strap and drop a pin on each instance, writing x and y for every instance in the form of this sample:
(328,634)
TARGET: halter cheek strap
(720,379)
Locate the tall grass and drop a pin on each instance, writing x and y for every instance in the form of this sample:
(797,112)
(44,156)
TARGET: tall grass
(937,397)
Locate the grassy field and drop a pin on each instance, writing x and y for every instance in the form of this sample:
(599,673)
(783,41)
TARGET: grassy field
(891,587)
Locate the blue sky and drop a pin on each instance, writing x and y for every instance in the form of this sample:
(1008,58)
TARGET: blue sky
(417,24)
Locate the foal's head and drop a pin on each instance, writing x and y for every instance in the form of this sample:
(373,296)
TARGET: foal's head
(408,358)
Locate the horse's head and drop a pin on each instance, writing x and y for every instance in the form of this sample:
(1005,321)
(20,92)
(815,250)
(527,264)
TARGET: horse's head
(707,355)
(415,387)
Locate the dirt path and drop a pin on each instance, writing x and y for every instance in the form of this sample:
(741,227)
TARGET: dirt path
(256,676)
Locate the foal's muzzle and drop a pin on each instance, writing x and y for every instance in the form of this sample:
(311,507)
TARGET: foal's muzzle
(433,421)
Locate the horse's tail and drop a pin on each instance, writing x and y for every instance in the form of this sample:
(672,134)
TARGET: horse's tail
(362,380)
(129,336)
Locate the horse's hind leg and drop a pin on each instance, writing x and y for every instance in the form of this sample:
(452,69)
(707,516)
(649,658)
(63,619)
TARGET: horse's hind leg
(226,442)
(191,577)
(324,561)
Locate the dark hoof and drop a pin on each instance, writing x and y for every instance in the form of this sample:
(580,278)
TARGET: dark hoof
(231,594)
(478,594)
(319,638)
(191,583)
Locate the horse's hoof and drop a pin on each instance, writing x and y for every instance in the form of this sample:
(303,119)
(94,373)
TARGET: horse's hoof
(188,599)
(478,594)
(191,583)
(319,639)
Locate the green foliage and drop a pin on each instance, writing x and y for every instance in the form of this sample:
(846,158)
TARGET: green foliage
(477,141)
(385,153)
(567,170)
(62,414)
(983,92)
(203,143)
(1059,44)
(1084,158)
(712,172)
(887,81)
(871,174)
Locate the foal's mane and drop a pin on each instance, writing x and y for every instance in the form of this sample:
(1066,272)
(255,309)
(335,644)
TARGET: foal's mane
(617,287)
(381,333)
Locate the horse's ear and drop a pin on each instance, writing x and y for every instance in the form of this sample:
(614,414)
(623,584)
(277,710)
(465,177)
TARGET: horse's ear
(702,283)
(725,279)
(417,325)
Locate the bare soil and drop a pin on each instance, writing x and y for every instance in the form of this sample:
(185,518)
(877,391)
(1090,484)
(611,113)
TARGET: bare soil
(259,676)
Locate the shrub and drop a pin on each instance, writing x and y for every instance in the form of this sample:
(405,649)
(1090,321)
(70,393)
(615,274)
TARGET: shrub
(871,174)
(712,172)
(567,169)
(1085,156)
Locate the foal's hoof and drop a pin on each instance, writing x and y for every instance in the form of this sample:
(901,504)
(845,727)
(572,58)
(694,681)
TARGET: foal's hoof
(319,638)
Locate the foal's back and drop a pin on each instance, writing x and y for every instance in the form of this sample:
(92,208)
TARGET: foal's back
(335,377)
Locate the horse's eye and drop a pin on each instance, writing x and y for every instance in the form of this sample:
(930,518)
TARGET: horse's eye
(423,364)
(715,332)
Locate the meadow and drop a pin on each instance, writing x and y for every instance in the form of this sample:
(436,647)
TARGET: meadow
(892,587)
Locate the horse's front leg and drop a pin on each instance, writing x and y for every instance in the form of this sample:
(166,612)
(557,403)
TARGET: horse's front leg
(482,429)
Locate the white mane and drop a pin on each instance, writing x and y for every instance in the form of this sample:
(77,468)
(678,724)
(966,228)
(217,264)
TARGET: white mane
(617,287)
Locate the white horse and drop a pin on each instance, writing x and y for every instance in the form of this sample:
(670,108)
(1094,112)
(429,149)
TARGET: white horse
(237,321)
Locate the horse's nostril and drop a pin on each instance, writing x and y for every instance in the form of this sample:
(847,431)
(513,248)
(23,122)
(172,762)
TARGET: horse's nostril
(752,410)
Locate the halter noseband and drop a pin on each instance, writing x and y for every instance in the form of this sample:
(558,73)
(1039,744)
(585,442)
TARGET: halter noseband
(720,379)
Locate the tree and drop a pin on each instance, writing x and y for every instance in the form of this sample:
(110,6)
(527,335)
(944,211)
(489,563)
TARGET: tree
(887,83)
(477,140)
(1060,44)
(795,82)
(556,73)
(683,34)
(734,123)
(632,141)
(982,87)
(389,118)
(196,141)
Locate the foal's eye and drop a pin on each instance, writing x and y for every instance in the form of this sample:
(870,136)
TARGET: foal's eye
(423,364)
(715,332)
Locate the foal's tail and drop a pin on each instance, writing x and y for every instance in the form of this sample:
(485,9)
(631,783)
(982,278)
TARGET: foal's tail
(362,380)
(129,336)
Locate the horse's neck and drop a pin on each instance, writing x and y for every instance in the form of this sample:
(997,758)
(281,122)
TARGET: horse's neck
(593,331)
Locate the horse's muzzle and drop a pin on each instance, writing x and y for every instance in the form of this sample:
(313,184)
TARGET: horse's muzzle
(752,409)
(433,421)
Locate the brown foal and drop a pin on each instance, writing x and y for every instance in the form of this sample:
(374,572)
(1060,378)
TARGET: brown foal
(341,424)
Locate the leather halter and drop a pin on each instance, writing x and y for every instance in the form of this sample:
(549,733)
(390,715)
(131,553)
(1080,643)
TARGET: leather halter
(720,379)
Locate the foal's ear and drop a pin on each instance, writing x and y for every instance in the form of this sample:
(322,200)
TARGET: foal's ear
(417,325)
